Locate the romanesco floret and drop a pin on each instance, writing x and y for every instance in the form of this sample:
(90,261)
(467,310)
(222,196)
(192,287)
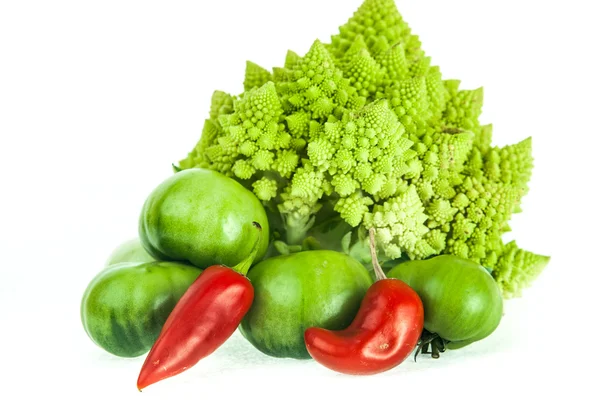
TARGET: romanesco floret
(400,226)
(364,132)
(256,76)
(517,269)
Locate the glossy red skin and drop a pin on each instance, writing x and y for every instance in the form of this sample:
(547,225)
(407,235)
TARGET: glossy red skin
(207,314)
(384,332)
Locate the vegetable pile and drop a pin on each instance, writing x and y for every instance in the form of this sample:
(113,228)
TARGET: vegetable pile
(347,207)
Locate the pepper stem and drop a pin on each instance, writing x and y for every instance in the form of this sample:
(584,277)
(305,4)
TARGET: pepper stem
(246,263)
(379,274)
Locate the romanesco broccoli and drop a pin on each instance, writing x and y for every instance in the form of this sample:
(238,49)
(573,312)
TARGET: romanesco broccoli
(363,132)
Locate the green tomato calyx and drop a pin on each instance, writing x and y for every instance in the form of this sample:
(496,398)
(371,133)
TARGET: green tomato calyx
(247,262)
(176,169)
(438,344)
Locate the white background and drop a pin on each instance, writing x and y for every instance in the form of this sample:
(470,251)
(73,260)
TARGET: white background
(97,99)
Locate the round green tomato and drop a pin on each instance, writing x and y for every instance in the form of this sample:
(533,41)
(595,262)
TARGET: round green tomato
(129,251)
(293,292)
(461,300)
(202,217)
(125,305)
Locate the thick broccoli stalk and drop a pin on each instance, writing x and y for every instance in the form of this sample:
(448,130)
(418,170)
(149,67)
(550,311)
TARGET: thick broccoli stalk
(364,132)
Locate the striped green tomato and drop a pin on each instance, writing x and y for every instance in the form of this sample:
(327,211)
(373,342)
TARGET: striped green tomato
(462,302)
(125,305)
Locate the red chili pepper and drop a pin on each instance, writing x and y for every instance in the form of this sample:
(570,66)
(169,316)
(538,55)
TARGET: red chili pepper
(207,314)
(384,332)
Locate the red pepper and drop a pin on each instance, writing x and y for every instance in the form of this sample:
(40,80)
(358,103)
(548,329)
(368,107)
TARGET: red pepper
(384,332)
(207,314)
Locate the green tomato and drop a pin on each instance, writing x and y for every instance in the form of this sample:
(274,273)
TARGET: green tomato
(129,251)
(125,306)
(320,288)
(202,217)
(461,300)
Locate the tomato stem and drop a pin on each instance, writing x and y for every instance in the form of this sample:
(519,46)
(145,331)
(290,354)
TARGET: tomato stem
(379,274)
(246,263)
